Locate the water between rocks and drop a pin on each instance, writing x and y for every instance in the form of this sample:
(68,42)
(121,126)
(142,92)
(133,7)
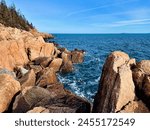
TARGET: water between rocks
(84,80)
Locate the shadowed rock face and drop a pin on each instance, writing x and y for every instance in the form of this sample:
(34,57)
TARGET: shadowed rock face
(36,68)
(28,98)
(54,101)
(28,79)
(116,88)
(141,77)
(146,91)
(43,61)
(46,77)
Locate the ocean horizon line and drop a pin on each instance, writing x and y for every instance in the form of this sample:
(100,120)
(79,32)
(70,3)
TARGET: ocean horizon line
(99,33)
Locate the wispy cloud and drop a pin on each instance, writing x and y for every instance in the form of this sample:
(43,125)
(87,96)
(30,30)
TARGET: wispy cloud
(99,7)
(137,13)
(132,22)
(125,23)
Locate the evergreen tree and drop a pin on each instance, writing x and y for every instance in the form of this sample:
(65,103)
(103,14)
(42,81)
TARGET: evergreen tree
(9,16)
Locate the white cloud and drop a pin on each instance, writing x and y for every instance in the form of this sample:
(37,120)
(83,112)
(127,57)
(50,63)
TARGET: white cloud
(125,23)
(99,7)
(130,22)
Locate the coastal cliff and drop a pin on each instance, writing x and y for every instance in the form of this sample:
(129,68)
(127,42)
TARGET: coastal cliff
(28,74)
(29,82)
(29,69)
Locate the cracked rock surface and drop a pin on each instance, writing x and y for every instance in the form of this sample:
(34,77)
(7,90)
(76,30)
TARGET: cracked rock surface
(116,88)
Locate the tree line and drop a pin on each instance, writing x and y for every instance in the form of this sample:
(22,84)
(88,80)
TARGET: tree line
(10,16)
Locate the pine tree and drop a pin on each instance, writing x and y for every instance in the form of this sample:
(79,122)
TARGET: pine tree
(9,16)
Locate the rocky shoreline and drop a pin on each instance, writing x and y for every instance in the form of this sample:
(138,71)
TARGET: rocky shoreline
(29,83)
(28,74)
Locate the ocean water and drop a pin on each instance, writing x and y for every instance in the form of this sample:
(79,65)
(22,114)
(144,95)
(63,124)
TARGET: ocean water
(84,79)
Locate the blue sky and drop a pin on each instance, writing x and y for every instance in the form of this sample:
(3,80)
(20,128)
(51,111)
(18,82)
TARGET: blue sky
(87,16)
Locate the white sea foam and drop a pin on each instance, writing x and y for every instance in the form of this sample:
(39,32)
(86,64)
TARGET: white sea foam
(98,79)
(84,80)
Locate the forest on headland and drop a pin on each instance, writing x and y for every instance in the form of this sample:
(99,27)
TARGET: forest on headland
(11,17)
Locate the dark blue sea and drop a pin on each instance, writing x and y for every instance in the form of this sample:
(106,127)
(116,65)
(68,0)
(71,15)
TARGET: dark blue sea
(85,78)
